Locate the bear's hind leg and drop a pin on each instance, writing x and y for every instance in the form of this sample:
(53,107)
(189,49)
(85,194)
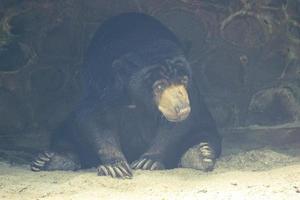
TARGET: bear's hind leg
(62,154)
(50,161)
(41,161)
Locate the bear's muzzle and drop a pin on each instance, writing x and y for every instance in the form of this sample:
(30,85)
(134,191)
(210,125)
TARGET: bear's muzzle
(174,103)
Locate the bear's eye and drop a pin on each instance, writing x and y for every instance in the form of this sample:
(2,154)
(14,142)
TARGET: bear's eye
(160,85)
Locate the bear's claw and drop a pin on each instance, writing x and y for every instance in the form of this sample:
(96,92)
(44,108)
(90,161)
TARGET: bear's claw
(147,164)
(119,169)
(41,160)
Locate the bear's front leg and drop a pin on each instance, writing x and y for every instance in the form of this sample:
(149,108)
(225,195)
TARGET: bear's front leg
(164,144)
(104,142)
(113,162)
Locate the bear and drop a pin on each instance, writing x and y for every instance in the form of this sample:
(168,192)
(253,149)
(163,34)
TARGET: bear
(140,107)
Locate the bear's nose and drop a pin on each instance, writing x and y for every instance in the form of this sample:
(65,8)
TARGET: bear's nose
(182,110)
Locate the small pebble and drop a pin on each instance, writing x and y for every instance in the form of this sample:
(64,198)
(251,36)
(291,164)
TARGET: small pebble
(297,189)
(202,191)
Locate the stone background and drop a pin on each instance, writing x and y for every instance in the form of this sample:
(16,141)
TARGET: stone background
(245,54)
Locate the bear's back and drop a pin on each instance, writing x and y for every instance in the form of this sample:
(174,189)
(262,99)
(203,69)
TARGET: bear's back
(119,35)
(125,33)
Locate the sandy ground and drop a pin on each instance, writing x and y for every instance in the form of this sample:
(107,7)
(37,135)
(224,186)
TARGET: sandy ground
(261,173)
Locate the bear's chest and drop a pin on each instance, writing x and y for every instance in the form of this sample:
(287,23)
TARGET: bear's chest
(136,130)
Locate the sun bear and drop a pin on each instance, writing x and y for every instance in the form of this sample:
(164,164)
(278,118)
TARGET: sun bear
(141,108)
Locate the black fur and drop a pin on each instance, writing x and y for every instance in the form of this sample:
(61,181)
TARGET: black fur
(117,120)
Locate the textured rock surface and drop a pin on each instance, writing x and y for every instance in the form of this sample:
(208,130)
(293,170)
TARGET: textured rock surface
(245,55)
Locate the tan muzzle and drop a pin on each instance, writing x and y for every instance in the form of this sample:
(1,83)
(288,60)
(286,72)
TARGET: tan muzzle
(174,103)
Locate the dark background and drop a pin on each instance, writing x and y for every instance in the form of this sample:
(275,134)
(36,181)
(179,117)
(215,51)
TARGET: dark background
(245,54)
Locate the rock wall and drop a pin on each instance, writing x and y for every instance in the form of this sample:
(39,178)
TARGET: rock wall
(245,54)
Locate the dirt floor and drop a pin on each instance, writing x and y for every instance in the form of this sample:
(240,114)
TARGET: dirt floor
(241,173)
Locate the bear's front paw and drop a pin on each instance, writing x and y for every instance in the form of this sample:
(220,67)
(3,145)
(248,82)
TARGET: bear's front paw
(147,163)
(201,157)
(119,169)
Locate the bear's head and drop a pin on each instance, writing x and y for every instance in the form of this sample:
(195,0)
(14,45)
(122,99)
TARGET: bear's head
(163,87)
